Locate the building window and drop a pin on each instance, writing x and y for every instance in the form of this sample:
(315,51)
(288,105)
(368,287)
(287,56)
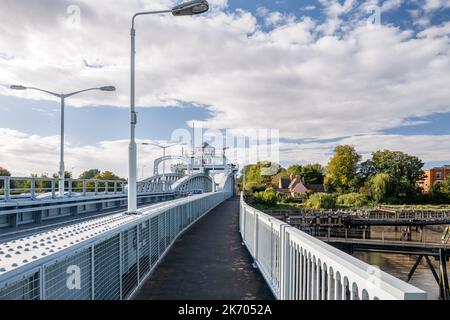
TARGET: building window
(438,176)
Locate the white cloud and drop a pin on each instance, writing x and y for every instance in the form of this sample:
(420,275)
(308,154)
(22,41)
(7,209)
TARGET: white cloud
(390,5)
(428,148)
(301,77)
(25,154)
(431,5)
(436,31)
(308,8)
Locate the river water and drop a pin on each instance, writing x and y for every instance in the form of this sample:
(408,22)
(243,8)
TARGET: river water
(398,265)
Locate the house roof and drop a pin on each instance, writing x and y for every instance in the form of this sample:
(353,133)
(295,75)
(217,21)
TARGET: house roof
(316,188)
(299,188)
(284,183)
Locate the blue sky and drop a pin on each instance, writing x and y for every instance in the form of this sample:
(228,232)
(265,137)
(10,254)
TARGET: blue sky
(312,69)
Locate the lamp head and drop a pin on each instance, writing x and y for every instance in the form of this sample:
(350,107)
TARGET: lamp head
(108,88)
(14,87)
(191,8)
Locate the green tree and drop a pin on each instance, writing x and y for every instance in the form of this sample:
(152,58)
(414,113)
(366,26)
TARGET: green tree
(89,174)
(342,169)
(107,175)
(440,192)
(4,172)
(321,201)
(404,172)
(275,181)
(355,200)
(379,187)
(67,175)
(312,174)
(295,170)
(255,178)
(269,197)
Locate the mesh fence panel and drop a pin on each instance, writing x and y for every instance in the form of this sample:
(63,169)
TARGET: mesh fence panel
(154,240)
(129,262)
(25,289)
(144,248)
(162,232)
(69,279)
(107,269)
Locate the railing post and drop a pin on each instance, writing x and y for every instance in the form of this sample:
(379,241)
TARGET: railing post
(256,237)
(284,263)
(115,187)
(53,188)
(33,188)
(106,187)
(120,266)
(330,285)
(138,267)
(96,187)
(84,188)
(92,272)
(7,182)
(42,283)
(70,186)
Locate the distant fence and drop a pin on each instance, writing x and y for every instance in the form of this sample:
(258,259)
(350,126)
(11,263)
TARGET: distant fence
(298,266)
(104,259)
(14,188)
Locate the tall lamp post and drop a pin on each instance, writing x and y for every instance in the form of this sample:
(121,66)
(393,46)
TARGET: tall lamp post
(63,98)
(164,148)
(186,9)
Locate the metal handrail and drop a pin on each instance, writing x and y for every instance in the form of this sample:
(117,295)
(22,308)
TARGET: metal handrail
(30,188)
(298,266)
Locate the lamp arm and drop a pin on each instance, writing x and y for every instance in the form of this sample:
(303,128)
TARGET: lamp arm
(49,92)
(81,91)
(147,13)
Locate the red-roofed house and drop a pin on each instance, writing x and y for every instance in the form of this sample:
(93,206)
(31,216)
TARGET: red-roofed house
(295,187)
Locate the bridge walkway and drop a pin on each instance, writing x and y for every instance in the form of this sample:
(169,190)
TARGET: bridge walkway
(208,262)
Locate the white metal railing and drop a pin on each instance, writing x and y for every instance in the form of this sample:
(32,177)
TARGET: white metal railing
(102,259)
(16,188)
(298,266)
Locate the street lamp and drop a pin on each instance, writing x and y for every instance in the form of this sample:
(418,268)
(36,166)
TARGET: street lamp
(164,152)
(62,97)
(185,9)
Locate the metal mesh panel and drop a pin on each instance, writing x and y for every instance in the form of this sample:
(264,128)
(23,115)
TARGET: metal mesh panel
(129,261)
(167,229)
(25,289)
(69,279)
(107,269)
(162,232)
(154,240)
(172,214)
(144,248)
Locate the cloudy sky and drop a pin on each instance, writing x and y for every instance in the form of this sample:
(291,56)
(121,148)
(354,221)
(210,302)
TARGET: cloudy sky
(373,74)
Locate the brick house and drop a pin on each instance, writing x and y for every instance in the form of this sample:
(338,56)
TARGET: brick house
(434,175)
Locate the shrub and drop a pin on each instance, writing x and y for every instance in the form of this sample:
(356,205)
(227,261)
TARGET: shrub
(268,197)
(321,201)
(253,187)
(352,200)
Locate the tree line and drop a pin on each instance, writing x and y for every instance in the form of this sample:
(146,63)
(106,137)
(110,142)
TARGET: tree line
(388,177)
(92,174)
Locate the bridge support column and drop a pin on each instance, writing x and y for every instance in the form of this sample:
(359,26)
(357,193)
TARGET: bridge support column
(443,277)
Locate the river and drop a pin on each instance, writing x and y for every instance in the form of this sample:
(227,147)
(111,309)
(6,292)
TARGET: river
(396,264)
